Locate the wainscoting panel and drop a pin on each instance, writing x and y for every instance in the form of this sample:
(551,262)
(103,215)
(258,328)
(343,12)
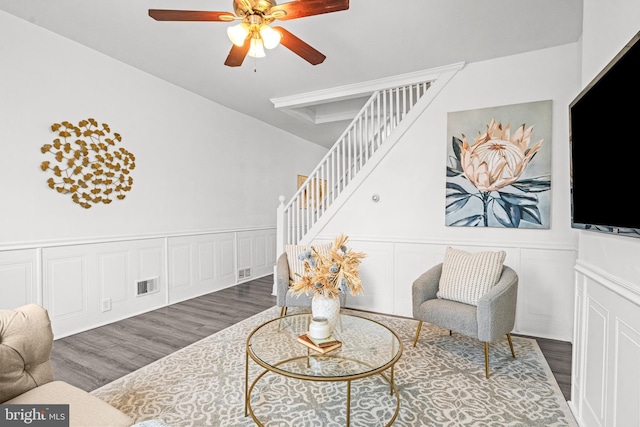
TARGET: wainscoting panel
(377,275)
(606,355)
(626,386)
(18,278)
(545,293)
(256,253)
(200,264)
(577,355)
(206,254)
(89,285)
(545,279)
(411,260)
(260,254)
(226,259)
(151,260)
(114,276)
(179,265)
(245,256)
(271,251)
(66,291)
(596,360)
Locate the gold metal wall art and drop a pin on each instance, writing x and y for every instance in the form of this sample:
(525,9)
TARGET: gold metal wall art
(87,164)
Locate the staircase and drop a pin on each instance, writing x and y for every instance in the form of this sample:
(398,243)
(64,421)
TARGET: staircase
(376,128)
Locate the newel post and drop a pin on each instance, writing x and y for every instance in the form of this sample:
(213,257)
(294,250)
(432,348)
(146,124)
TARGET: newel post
(281,230)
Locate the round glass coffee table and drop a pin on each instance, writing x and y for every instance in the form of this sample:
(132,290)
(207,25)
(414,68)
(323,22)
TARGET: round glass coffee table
(368,348)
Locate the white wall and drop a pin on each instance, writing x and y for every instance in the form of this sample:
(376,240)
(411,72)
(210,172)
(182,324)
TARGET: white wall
(405,232)
(202,205)
(606,372)
(199,165)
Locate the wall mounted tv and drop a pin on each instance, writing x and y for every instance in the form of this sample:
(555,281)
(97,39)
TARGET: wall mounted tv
(605,176)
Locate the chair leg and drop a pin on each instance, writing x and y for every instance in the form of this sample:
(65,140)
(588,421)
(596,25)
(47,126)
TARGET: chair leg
(513,353)
(417,333)
(486,354)
(486,359)
(283,312)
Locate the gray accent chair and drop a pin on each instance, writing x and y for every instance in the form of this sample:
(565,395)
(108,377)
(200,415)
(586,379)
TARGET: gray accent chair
(284,297)
(493,318)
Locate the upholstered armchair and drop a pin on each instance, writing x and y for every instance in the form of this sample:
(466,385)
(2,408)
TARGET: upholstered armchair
(284,278)
(490,317)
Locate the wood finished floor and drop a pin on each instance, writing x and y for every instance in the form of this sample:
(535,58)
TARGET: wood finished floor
(96,357)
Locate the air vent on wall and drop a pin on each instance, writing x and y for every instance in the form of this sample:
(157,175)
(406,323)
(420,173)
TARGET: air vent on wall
(146,286)
(243,273)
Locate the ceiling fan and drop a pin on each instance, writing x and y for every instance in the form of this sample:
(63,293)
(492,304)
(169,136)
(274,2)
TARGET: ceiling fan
(254,33)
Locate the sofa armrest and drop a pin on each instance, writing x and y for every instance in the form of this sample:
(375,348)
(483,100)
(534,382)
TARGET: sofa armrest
(85,409)
(26,339)
(497,308)
(425,287)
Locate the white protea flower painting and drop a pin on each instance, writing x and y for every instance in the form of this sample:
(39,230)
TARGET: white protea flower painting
(487,180)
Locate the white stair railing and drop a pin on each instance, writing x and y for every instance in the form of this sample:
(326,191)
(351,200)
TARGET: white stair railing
(368,131)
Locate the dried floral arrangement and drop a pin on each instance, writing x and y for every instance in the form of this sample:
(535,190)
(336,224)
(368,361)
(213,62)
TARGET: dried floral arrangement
(330,275)
(87,169)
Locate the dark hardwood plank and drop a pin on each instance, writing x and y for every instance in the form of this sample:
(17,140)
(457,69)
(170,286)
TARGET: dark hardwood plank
(558,356)
(99,356)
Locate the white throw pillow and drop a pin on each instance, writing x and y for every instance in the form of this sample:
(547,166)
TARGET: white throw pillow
(466,277)
(296,265)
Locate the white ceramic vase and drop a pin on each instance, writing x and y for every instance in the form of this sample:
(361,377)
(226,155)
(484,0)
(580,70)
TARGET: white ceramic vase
(328,308)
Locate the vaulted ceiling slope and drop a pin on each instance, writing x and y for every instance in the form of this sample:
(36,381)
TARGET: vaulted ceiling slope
(372,40)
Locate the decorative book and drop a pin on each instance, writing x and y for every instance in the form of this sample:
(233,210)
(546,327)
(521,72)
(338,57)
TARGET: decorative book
(324,346)
(322,342)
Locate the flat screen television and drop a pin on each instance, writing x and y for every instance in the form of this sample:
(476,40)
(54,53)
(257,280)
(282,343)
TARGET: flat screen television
(605,148)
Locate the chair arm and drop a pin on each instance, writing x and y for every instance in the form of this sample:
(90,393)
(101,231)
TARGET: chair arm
(425,287)
(497,308)
(282,280)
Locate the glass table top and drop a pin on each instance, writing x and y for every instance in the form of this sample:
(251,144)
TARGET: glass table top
(367,347)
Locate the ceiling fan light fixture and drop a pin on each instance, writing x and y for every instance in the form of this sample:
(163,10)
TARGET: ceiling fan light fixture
(238,33)
(270,37)
(256,50)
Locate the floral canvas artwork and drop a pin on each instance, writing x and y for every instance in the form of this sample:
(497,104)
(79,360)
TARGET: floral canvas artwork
(499,167)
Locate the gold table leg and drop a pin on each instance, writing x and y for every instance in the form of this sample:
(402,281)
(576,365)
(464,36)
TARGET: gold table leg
(246,382)
(391,381)
(348,403)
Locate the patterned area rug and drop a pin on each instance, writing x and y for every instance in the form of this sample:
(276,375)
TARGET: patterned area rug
(441,382)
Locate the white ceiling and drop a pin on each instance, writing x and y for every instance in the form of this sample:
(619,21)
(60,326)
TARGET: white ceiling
(374,39)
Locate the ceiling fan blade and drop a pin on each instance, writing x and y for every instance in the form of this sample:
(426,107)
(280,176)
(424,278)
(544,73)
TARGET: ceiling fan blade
(302,8)
(299,47)
(190,15)
(237,54)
